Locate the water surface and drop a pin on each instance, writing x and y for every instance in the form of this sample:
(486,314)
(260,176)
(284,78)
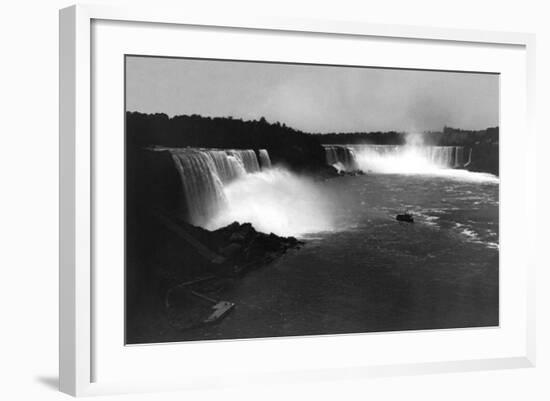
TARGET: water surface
(371,273)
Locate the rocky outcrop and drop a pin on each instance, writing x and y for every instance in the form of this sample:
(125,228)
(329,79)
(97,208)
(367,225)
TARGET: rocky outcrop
(243,247)
(165,253)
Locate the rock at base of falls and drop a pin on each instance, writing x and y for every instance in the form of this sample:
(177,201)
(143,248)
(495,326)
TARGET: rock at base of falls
(239,247)
(246,249)
(202,300)
(184,271)
(352,173)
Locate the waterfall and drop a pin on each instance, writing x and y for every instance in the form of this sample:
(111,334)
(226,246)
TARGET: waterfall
(265,160)
(469,158)
(442,156)
(394,158)
(227,167)
(341,156)
(247,158)
(459,157)
(205,173)
(202,186)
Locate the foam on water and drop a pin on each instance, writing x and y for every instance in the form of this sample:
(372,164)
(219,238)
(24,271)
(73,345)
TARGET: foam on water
(470,235)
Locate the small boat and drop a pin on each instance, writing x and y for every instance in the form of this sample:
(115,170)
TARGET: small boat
(406,217)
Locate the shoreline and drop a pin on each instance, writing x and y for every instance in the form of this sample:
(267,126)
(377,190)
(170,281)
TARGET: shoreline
(172,295)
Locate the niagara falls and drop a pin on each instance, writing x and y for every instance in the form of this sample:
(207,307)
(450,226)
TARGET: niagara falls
(223,186)
(251,213)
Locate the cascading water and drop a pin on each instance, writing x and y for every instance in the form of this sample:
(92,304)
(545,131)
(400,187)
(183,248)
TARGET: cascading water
(202,185)
(341,157)
(265,160)
(442,156)
(395,158)
(225,185)
(227,167)
(237,165)
(469,158)
(459,157)
(247,158)
(204,174)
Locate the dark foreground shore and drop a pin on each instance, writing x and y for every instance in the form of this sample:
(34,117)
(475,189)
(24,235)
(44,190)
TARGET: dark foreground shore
(177,284)
(326,288)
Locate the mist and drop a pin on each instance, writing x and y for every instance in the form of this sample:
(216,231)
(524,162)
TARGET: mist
(277,201)
(412,159)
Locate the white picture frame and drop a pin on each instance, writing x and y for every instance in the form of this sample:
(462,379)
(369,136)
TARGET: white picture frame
(77,368)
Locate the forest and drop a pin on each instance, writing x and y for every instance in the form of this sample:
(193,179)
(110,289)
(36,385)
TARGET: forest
(447,137)
(298,150)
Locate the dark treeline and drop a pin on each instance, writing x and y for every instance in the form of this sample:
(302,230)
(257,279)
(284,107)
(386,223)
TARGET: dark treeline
(447,137)
(484,145)
(298,150)
(460,137)
(286,145)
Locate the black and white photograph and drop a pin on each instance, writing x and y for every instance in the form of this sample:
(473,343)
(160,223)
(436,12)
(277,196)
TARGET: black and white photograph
(270,199)
(275,200)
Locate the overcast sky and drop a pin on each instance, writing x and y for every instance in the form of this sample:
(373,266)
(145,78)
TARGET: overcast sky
(313,98)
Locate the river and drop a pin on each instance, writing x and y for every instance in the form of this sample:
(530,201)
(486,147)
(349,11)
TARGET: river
(363,271)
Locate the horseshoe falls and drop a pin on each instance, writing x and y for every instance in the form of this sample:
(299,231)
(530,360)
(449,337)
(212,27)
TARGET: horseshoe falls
(405,159)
